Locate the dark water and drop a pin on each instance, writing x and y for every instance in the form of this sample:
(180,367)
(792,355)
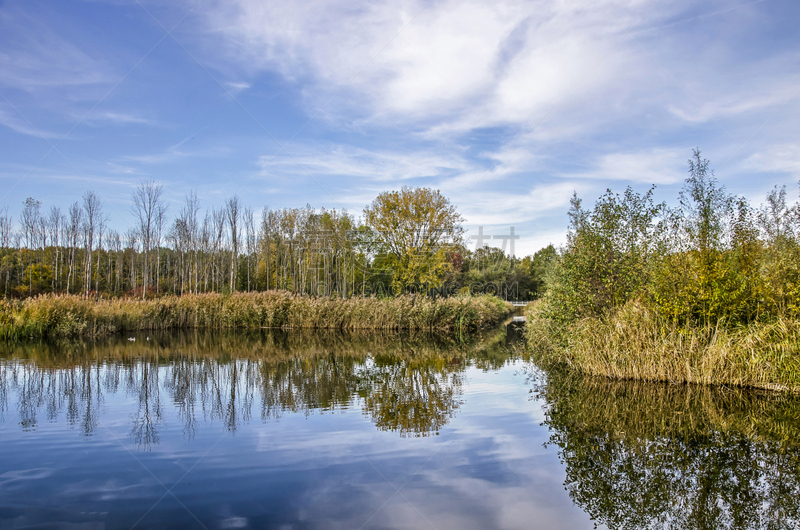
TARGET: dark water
(309,430)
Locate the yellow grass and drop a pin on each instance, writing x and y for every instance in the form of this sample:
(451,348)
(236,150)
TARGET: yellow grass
(71,316)
(635,343)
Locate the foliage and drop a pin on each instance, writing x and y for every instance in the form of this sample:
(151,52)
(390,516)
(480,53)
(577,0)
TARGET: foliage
(606,257)
(705,292)
(537,267)
(418,228)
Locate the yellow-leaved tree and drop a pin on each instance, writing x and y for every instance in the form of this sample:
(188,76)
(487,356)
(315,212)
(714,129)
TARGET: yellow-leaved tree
(418,230)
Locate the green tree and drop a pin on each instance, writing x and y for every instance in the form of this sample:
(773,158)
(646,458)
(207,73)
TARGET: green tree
(418,228)
(537,267)
(606,257)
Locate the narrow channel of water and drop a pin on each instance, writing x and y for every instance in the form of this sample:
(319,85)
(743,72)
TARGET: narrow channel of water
(327,430)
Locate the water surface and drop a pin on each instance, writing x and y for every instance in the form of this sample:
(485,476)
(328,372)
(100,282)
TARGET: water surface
(323,430)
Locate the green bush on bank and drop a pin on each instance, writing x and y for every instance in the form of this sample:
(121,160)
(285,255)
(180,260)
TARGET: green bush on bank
(707,292)
(69,316)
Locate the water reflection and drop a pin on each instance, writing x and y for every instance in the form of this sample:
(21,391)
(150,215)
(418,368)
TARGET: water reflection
(410,384)
(667,456)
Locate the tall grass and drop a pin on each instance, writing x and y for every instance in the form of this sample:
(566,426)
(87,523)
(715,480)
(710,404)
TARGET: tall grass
(705,292)
(635,342)
(72,316)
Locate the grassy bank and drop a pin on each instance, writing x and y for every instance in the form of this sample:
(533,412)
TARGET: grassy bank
(636,343)
(705,292)
(72,316)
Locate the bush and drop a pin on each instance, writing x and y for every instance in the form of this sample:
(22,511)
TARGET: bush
(706,292)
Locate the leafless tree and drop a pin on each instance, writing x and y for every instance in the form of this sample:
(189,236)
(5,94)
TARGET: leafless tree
(250,238)
(74,222)
(132,244)
(30,228)
(6,228)
(232,213)
(94,221)
(54,226)
(150,210)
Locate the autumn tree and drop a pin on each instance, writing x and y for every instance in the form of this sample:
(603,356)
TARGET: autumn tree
(418,228)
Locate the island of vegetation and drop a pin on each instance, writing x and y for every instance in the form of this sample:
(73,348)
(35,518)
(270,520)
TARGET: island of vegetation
(405,267)
(707,291)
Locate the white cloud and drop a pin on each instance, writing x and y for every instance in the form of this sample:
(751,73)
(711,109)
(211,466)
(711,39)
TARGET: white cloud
(654,166)
(452,67)
(11,119)
(509,204)
(782,158)
(463,62)
(34,57)
(119,117)
(236,87)
(353,162)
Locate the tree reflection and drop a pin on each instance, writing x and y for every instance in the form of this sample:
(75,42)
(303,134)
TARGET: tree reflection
(407,384)
(665,456)
(411,396)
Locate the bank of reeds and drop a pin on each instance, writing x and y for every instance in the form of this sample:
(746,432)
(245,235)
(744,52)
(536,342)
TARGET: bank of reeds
(71,316)
(636,343)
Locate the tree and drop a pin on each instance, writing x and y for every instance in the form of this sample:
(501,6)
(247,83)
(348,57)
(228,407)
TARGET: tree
(232,214)
(5,244)
(30,225)
(537,266)
(150,211)
(605,261)
(95,223)
(418,228)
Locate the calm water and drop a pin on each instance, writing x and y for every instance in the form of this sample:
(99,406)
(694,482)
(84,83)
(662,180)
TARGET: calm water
(304,430)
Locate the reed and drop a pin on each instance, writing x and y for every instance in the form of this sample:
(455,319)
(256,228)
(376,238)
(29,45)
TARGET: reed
(636,343)
(49,316)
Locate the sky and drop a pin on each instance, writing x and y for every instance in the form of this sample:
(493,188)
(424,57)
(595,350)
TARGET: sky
(506,107)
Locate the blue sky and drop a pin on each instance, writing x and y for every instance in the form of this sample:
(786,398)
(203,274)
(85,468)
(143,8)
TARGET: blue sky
(507,107)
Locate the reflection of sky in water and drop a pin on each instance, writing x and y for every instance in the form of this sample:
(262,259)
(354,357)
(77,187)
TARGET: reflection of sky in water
(487,468)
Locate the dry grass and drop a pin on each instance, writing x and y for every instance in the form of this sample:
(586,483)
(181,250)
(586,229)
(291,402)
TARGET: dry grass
(72,316)
(635,343)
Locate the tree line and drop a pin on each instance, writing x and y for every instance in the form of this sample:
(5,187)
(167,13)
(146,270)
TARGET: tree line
(410,238)
(711,258)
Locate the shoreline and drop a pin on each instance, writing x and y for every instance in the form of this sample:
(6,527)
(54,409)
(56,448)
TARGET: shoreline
(52,316)
(634,344)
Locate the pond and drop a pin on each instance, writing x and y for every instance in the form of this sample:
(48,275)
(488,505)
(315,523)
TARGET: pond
(299,429)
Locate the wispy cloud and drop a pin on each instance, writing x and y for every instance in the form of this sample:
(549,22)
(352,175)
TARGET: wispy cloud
(360,163)
(12,119)
(654,166)
(36,57)
(119,118)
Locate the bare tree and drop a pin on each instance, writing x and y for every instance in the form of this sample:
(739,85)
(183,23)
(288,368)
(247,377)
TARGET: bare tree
(232,212)
(73,228)
(189,214)
(132,243)
(150,210)
(6,228)
(94,222)
(250,239)
(30,229)
(218,236)
(267,228)
(54,226)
